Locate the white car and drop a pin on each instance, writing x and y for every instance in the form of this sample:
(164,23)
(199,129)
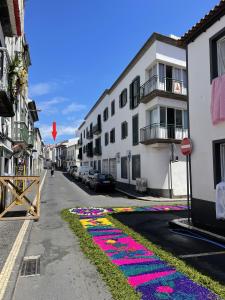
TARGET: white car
(81,171)
(86,177)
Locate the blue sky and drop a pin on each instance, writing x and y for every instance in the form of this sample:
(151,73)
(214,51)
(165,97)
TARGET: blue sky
(79,47)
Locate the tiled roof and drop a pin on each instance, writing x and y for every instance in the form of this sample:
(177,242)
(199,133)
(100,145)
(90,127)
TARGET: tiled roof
(214,15)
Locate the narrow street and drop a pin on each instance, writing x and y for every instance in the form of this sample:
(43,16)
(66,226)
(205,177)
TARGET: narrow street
(65,272)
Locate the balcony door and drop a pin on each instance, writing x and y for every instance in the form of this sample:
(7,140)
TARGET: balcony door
(169,76)
(170,123)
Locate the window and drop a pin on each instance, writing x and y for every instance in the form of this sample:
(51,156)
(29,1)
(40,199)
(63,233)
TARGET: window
(161,73)
(219,161)
(84,149)
(136,167)
(106,138)
(184,75)
(135,130)
(91,130)
(106,114)
(6,165)
(123,98)
(221,56)
(124,167)
(84,134)
(179,122)
(154,116)
(99,166)
(217,54)
(185,123)
(135,92)
(162,116)
(124,130)
(113,108)
(112,136)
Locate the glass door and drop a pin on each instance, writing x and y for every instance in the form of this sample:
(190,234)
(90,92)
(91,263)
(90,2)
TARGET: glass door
(170,123)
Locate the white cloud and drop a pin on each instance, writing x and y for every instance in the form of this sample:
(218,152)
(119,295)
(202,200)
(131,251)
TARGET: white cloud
(73,107)
(40,89)
(68,130)
(49,106)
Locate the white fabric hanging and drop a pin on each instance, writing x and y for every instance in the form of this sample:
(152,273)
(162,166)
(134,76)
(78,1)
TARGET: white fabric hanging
(220,201)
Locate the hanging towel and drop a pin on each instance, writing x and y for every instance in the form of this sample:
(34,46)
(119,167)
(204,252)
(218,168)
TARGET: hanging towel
(218,100)
(220,201)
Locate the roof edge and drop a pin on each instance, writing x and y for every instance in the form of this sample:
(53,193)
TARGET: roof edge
(207,21)
(154,37)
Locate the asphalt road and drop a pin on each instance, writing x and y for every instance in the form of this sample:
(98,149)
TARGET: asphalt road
(65,272)
(204,256)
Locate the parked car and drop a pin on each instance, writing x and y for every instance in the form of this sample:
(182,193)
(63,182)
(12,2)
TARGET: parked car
(86,177)
(102,181)
(81,171)
(71,169)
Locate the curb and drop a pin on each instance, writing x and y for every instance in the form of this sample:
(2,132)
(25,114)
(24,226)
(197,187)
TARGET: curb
(179,223)
(150,200)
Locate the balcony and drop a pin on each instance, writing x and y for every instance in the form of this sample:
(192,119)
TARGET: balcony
(21,133)
(98,151)
(163,87)
(159,133)
(97,129)
(89,150)
(89,135)
(6,104)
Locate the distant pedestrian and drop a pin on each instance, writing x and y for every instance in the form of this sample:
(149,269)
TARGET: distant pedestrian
(52,171)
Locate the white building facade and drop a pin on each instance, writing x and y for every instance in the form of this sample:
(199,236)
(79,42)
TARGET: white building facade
(72,152)
(135,128)
(206,62)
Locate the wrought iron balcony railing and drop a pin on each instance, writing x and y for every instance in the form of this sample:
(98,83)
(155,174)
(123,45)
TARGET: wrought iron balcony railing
(97,128)
(89,135)
(165,84)
(98,151)
(162,133)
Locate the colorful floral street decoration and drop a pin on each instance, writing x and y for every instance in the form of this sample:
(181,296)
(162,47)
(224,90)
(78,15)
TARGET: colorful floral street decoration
(145,272)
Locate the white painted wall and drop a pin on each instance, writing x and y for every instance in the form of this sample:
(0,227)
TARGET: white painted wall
(154,161)
(202,130)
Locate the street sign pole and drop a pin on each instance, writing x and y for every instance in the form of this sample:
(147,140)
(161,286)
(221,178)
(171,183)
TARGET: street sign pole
(188,192)
(186,149)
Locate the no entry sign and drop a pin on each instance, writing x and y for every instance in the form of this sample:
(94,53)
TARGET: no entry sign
(186,146)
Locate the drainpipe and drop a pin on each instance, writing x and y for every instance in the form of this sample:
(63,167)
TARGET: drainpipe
(188,110)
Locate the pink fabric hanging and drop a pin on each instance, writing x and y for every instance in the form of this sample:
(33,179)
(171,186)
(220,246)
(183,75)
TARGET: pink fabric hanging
(218,100)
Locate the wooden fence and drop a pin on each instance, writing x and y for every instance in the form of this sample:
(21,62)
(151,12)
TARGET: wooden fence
(19,198)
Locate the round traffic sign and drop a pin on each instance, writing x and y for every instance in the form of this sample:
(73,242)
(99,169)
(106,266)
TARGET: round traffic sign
(186,146)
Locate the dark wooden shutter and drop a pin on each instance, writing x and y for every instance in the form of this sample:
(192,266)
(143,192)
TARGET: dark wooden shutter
(135,130)
(131,96)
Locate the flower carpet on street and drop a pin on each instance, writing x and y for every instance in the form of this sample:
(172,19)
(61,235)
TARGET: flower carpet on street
(152,277)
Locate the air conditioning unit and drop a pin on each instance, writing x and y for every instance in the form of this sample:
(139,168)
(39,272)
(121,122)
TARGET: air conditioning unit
(141,185)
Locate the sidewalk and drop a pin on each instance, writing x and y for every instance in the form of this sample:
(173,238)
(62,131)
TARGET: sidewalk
(132,193)
(9,231)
